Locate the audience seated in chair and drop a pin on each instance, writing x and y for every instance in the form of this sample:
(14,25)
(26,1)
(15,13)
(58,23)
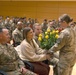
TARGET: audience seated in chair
(17,35)
(9,59)
(30,51)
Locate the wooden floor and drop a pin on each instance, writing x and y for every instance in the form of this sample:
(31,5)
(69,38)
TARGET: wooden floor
(73,72)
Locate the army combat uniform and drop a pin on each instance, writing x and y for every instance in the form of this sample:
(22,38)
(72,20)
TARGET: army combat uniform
(75,36)
(17,35)
(66,45)
(10,62)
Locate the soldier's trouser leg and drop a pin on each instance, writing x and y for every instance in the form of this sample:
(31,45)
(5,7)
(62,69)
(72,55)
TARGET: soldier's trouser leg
(70,71)
(66,71)
(54,61)
(55,72)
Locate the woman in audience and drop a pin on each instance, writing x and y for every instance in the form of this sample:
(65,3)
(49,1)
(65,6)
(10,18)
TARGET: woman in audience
(30,51)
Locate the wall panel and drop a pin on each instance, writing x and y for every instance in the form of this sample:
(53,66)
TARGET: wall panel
(38,9)
(37,0)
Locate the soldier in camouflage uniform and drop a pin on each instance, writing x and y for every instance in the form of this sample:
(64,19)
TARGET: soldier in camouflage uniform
(37,28)
(44,25)
(17,34)
(2,24)
(75,34)
(66,45)
(9,59)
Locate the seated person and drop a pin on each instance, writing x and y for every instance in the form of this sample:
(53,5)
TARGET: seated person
(9,59)
(17,35)
(37,28)
(30,51)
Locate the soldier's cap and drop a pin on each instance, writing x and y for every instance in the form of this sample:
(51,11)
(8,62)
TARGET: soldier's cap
(19,23)
(66,18)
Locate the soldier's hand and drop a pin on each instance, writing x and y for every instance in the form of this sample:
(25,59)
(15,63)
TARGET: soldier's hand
(48,56)
(51,53)
(23,70)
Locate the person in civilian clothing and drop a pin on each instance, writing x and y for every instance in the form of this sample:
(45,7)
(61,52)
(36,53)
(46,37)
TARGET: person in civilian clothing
(30,51)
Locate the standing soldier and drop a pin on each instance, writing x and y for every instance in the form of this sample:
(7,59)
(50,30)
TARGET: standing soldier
(9,59)
(75,34)
(66,45)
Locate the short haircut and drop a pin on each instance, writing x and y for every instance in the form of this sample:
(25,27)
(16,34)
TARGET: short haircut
(19,23)
(36,24)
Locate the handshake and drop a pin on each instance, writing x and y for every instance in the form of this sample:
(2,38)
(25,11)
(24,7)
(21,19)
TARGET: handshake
(49,54)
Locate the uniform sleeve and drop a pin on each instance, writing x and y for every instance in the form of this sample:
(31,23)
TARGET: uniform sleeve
(1,52)
(59,43)
(20,63)
(30,73)
(16,56)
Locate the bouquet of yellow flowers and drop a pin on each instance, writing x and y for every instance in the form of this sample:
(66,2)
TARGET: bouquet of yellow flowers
(48,39)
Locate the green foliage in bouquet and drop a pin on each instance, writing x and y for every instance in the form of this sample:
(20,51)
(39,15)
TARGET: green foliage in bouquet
(48,39)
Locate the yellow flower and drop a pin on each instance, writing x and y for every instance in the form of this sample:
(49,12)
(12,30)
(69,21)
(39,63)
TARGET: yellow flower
(48,30)
(40,39)
(57,31)
(56,36)
(48,39)
(53,31)
(40,35)
(46,36)
(50,33)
